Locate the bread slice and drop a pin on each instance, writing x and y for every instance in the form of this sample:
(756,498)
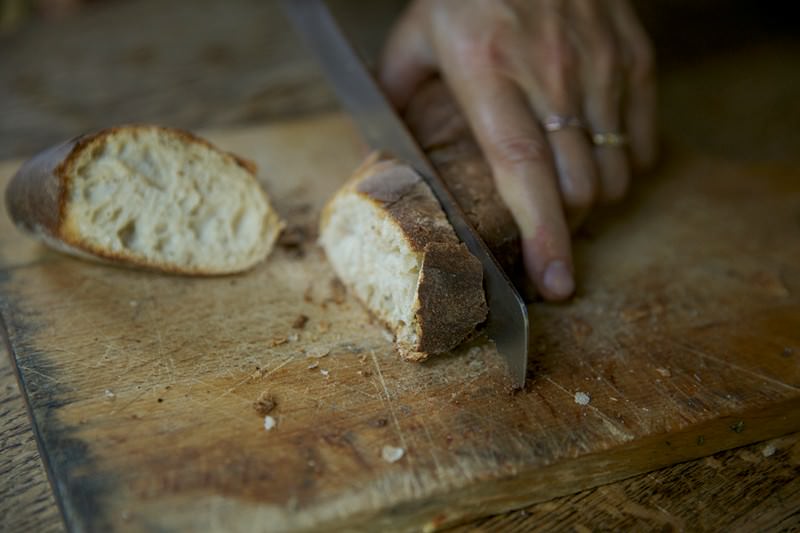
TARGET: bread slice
(146,196)
(391,244)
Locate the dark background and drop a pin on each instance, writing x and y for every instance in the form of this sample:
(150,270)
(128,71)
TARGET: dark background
(215,63)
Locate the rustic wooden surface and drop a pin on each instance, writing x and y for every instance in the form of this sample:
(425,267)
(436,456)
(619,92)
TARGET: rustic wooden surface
(755,488)
(752,488)
(142,385)
(738,104)
(203,63)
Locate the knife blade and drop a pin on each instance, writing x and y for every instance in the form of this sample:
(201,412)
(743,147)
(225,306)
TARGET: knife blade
(361,97)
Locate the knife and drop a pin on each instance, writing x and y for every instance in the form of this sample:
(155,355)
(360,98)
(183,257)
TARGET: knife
(359,94)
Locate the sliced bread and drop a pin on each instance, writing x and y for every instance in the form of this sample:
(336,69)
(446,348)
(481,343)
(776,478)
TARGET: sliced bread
(149,197)
(389,241)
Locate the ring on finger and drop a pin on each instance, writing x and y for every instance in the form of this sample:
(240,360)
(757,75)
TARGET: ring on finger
(553,123)
(610,139)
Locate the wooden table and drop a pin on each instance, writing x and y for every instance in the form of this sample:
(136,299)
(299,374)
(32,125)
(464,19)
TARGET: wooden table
(754,488)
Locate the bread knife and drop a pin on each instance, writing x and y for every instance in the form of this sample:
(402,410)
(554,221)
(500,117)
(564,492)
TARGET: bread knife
(384,130)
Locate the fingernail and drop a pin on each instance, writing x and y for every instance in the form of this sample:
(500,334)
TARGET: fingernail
(558,279)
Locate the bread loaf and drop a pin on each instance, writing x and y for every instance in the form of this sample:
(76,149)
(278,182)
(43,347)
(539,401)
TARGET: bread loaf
(146,196)
(390,242)
(436,121)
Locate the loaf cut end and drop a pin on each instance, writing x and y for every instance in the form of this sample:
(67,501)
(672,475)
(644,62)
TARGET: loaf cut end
(389,241)
(162,198)
(374,259)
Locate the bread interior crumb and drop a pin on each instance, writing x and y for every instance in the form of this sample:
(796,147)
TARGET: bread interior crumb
(150,193)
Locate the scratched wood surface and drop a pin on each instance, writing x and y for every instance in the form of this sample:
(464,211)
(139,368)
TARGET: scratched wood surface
(685,339)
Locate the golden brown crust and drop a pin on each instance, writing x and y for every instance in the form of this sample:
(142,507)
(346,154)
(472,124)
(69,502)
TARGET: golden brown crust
(441,129)
(405,197)
(36,194)
(36,197)
(450,295)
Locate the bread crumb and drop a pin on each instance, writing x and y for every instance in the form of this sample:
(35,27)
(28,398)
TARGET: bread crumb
(771,282)
(109,394)
(379,423)
(769,450)
(325,373)
(292,239)
(313,365)
(318,353)
(265,403)
(338,291)
(581,398)
(635,313)
(580,329)
(269,423)
(300,322)
(277,341)
(390,454)
(664,372)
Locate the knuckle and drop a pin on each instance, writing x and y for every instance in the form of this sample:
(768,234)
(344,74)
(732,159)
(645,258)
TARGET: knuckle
(493,51)
(521,150)
(486,50)
(558,58)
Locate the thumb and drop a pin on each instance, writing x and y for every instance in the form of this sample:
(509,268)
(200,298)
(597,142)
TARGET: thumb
(407,59)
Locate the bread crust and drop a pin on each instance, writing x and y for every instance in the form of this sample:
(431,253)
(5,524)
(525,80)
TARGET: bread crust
(450,297)
(36,198)
(433,116)
(35,195)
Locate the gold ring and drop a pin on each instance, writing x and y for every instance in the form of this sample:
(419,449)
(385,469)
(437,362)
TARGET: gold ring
(610,139)
(558,122)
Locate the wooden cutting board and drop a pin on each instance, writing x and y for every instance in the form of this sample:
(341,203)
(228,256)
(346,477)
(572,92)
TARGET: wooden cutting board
(684,340)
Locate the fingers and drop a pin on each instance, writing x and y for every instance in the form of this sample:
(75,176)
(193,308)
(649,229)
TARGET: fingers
(515,67)
(575,168)
(407,60)
(601,71)
(572,154)
(523,169)
(640,92)
(549,78)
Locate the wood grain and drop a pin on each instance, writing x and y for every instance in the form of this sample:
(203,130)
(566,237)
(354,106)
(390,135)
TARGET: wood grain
(26,500)
(761,481)
(142,385)
(756,488)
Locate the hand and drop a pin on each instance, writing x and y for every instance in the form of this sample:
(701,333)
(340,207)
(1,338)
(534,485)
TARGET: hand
(525,72)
